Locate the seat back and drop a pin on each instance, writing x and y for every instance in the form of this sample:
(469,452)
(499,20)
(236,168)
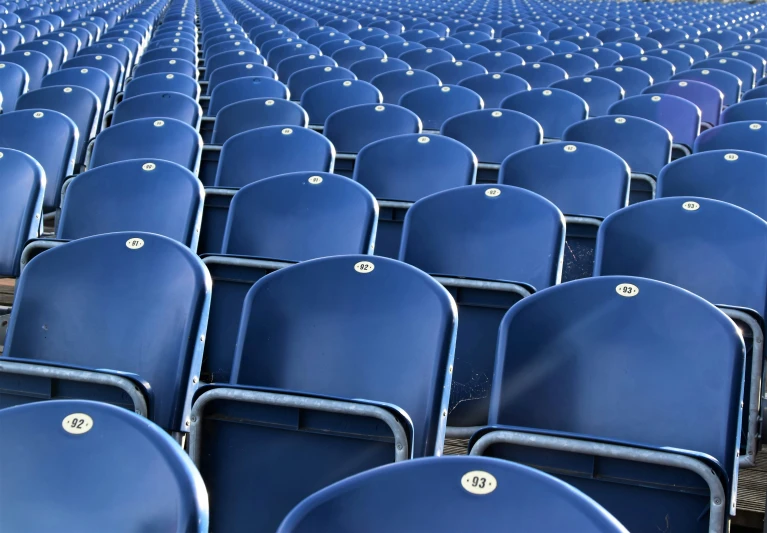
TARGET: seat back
(54,50)
(109,64)
(247,88)
(632,80)
(231,57)
(93,79)
(554,109)
(453,72)
(13,83)
(155,283)
(660,69)
(538,75)
(22,187)
(135,195)
(352,128)
(749,110)
(162,82)
(598,92)
(396,83)
(303,79)
(434,105)
(239,70)
(728,84)
(256,113)
(293,64)
(750,136)
(37,65)
(112,450)
(176,66)
(745,72)
(422,58)
(524,500)
(707,97)
(679,116)
(681,60)
(322,100)
(572,63)
(159,105)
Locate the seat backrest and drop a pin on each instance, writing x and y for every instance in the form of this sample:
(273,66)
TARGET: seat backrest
(272,150)
(409,167)
(681,60)
(22,186)
(37,65)
(748,110)
(538,75)
(580,179)
(625,49)
(728,84)
(743,70)
(240,89)
(352,128)
(522,499)
(632,80)
(159,105)
(733,176)
(303,79)
(347,56)
(660,69)
(54,50)
(572,63)
(750,136)
(231,57)
(487,232)
(697,53)
(757,92)
(177,66)
(238,70)
(301,216)
(553,109)
(436,104)
(530,53)
(119,51)
(367,69)
(598,92)
(112,449)
(332,289)
(109,64)
(644,145)
(707,97)
(678,115)
(293,64)
(396,83)
(164,82)
(323,99)
(605,57)
(169,52)
(148,138)
(689,242)
(256,113)
(424,57)
(153,196)
(50,138)
(453,72)
(13,83)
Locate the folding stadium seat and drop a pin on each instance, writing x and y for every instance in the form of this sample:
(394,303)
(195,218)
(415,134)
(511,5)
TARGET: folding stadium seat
(727,83)
(159,105)
(622,332)
(169,52)
(157,282)
(111,448)
(238,70)
(148,138)
(462,52)
(749,110)
(625,49)
(615,34)
(175,66)
(698,53)
(367,69)
(151,83)
(131,44)
(440,42)
(554,109)
(598,92)
(209,42)
(284,51)
(53,50)
(679,116)
(78,104)
(757,92)
(453,72)
(538,75)
(323,99)
(707,97)
(658,68)
(240,89)
(440,29)
(704,227)
(743,70)
(750,136)
(531,500)
(382,40)
(255,113)
(668,36)
(229,46)
(559,47)
(37,65)
(497,61)
(573,63)
(632,80)
(50,138)
(13,83)
(471,37)
(403,169)
(425,57)
(645,43)
(679,59)
(29,33)
(399,48)
(70,41)
(304,79)
(565,32)
(229,58)
(393,85)
(754,54)
(347,56)
(449,235)
(353,128)
(119,51)
(434,105)
(107,63)
(531,52)
(494,88)
(21,208)
(525,39)
(498,44)
(726,38)
(295,63)
(323,38)
(93,79)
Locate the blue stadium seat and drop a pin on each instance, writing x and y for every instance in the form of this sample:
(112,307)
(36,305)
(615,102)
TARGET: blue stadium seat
(21,207)
(494,88)
(156,283)
(159,105)
(367,69)
(378,501)
(462,52)
(660,69)
(238,70)
(50,138)
(726,38)
(309,77)
(757,92)
(750,136)
(54,50)
(615,34)
(681,60)
(152,196)
(454,72)
(293,64)
(175,66)
(497,61)
(109,64)
(750,110)
(230,58)
(169,52)
(240,89)
(322,100)
(625,49)
(10,39)
(727,83)
(598,92)
(403,169)
(13,83)
(396,83)
(697,53)
(434,105)
(330,46)
(554,109)
(632,80)
(468,236)
(148,138)
(744,71)
(559,47)
(160,82)
(499,44)
(531,52)
(95,80)
(37,65)
(111,448)
(425,57)
(256,113)
(538,75)
(707,97)
(229,46)
(572,63)
(679,116)
(622,332)
(347,56)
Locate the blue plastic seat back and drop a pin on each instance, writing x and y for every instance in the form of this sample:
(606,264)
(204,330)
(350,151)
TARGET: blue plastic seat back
(559,47)
(486,232)
(347,56)
(749,110)
(741,69)
(21,206)
(119,51)
(53,50)
(29,32)
(332,45)
(309,77)
(382,40)
(109,64)
(440,42)
(625,49)
(632,80)
(554,109)
(148,138)
(681,60)
(229,46)
(587,42)
(256,113)
(158,105)
(239,70)
(499,44)
(645,43)
(732,176)
(434,105)
(70,41)
(611,35)
(425,57)
(393,85)
(50,138)
(464,51)
(284,51)
(668,36)
(697,53)
(471,37)
(375,501)
(322,100)
(525,39)
(660,69)
(229,58)
(190,45)
(598,92)
(644,145)
(497,61)
(13,83)
(531,53)
(331,289)
(367,69)
(688,242)
(161,82)
(573,63)
(538,75)
(93,79)
(602,331)
(453,72)
(493,134)
(707,97)
(397,49)
(37,65)
(269,151)
(679,116)
(752,53)
(409,167)
(352,128)
(133,45)
(177,66)
(727,83)
(726,38)
(580,179)
(293,64)
(153,196)
(301,216)
(750,136)
(161,287)
(494,88)
(10,39)
(169,52)
(171,495)
(240,89)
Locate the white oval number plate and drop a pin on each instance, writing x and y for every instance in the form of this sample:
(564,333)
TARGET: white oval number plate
(691,206)
(479,482)
(77,423)
(627,289)
(364,267)
(135,243)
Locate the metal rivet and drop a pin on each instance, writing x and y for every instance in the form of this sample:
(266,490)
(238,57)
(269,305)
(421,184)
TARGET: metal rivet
(159,123)
(287,131)
(148,166)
